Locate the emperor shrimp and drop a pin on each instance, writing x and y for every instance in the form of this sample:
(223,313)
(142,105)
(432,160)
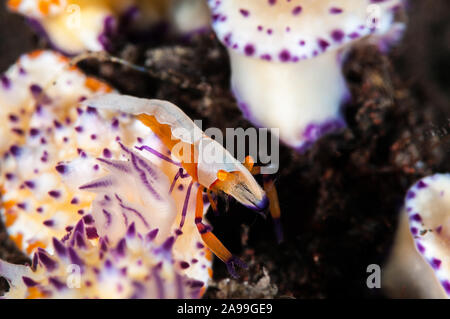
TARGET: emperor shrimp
(187,143)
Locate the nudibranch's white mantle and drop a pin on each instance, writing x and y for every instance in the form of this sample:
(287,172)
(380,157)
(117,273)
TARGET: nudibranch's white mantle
(286,58)
(422,254)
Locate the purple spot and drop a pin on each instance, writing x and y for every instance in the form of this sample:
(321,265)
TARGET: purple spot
(6,82)
(121,246)
(56,283)
(15,150)
(48,263)
(59,247)
(335,10)
(91,110)
(323,44)
(410,195)
(249,50)
(420,248)
(421,184)
(244,12)
(200,245)
(184,265)
(34,132)
(74,258)
(13,118)
(115,123)
(337,35)
(107,153)
(91,232)
(446,285)
(88,219)
(284,56)
(152,235)
(297,10)
(30,184)
(57,124)
(29,282)
(49,223)
(54,193)
(436,263)
(62,169)
(354,35)
(36,90)
(131,232)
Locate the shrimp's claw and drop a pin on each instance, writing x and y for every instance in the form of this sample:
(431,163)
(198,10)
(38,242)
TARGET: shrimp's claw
(232,262)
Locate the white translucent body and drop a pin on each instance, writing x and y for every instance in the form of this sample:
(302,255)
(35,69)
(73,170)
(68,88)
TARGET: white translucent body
(182,128)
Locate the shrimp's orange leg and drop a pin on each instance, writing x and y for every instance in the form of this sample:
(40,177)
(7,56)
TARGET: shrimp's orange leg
(272,195)
(274,206)
(212,202)
(211,240)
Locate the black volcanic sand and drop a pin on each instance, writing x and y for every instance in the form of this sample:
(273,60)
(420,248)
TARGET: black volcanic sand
(340,200)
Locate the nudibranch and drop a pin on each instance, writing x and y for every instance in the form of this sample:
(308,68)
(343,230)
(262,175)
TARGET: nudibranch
(204,159)
(286,58)
(51,147)
(138,191)
(134,267)
(419,265)
(75,26)
(41,131)
(190,16)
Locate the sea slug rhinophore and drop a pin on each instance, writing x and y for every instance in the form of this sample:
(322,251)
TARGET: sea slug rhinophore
(286,58)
